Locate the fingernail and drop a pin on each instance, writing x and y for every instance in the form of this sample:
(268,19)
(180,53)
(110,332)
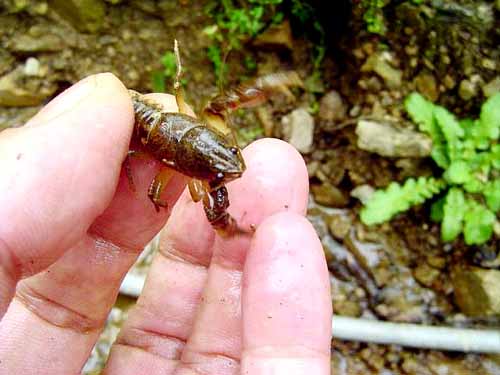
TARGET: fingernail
(66,101)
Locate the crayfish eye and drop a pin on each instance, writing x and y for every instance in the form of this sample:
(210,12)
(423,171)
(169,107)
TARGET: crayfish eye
(234,150)
(220,176)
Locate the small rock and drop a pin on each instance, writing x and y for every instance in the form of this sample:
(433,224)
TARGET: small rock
(332,107)
(276,36)
(379,63)
(426,85)
(425,274)
(84,15)
(389,141)
(43,43)
(492,87)
(347,308)
(437,262)
(32,67)
(363,193)
(329,195)
(339,226)
(476,291)
(298,129)
(467,89)
(355,111)
(449,82)
(17,91)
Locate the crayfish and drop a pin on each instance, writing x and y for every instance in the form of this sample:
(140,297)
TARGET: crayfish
(204,149)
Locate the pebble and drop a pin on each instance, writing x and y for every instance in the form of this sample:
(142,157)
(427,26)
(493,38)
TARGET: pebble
(32,67)
(332,107)
(298,129)
(386,140)
(491,87)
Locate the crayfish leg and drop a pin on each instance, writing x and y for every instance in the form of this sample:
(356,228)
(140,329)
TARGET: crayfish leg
(215,204)
(128,171)
(157,186)
(196,190)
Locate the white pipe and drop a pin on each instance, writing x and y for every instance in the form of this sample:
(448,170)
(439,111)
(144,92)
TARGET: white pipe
(416,336)
(370,330)
(132,285)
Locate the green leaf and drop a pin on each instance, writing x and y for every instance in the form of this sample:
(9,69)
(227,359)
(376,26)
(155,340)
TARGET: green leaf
(448,124)
(453,214)
(479,222)
(437,210)
(440,155)
(489,119)
(458,172)
(473,186)
(421,111)
(491,193)
(495,156)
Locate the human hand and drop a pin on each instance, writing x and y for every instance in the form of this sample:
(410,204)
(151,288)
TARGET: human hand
(70,228)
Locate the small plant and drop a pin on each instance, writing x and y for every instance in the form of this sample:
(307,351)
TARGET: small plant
(235,24)
(168,73)
(469,153)
(374,16)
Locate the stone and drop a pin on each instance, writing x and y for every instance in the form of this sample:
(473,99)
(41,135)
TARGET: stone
(32,67)
(18,90)
(84,15)
(469,88)
(43,43)
(426,85)
(339,226)
(492,87)
(298,129)
(425,274)
(363,193)
(477,291)
(379,63)
(329,195)
(389,141)
(332,107)
(276,36)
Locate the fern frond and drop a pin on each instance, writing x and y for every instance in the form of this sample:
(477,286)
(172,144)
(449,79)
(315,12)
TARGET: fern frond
(453,214)
(491,194)
(488,125)
(384,204)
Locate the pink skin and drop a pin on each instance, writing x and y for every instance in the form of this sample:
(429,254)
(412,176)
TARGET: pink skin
(70,228)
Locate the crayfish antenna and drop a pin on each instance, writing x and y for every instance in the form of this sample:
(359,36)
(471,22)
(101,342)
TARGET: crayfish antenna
(179,96)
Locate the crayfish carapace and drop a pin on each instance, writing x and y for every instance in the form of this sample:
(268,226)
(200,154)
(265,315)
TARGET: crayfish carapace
(204,149)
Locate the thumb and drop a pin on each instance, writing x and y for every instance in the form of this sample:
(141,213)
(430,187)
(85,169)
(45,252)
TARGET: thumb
(59,173)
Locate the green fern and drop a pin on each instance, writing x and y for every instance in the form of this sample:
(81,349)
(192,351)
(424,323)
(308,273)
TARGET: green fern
(384,204)
(468,152)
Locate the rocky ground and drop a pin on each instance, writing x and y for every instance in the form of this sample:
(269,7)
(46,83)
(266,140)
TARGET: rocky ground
(348,122)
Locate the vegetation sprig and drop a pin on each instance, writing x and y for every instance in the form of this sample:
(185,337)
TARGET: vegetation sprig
(468,152)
